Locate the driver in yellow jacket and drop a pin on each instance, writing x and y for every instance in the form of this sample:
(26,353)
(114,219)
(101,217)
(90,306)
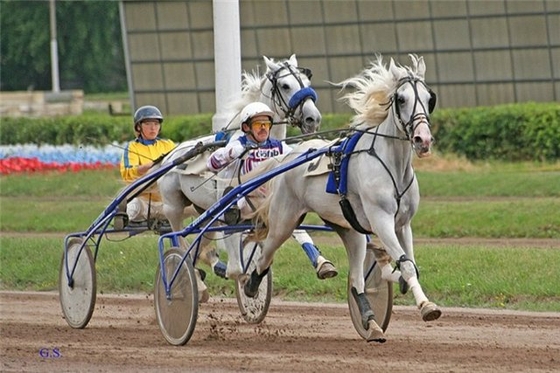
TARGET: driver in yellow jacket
(138,158)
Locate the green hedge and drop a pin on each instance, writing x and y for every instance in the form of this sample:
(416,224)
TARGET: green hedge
(94,129)
(516,132)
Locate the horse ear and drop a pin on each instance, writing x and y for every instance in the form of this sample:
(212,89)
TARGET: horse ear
(394,69)
(270,65)
(421,67)
(293,60)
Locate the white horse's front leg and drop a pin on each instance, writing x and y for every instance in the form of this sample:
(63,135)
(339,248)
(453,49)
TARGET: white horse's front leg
(408,269)
(234,244)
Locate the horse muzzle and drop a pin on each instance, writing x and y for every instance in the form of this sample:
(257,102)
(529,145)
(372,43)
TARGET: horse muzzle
(310,117)
(422,139)
(422,145)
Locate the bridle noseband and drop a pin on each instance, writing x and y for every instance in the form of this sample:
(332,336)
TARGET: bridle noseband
(298,99)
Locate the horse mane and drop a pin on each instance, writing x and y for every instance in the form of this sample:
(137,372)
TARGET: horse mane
(374,88)
(251,83)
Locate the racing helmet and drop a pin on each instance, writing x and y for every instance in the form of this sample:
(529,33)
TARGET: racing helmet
(146,112)
(254,109)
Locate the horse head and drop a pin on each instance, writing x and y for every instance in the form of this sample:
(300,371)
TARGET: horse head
(291,93)
(412,103)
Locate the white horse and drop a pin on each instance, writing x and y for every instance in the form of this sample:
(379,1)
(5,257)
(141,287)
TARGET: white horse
(378,193)
(190,189)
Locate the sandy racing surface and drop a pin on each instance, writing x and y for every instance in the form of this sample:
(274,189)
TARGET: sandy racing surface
(123,336)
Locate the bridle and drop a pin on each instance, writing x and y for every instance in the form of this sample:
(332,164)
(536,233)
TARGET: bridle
(409,126)
(298,99)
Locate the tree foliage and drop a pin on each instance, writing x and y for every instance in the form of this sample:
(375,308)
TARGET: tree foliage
(90,52)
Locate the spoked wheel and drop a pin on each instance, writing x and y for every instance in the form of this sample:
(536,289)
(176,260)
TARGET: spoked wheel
(176,314)
(253,310)
(77,296)
(379,294)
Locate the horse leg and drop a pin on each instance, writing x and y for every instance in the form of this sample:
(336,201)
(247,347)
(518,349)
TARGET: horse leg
(323,267)
(429,310)
(408,270)
(233,245)
(280,227)
(355,244)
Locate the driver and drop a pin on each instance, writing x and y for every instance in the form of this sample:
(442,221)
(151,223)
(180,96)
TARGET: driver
(138,157)
(247,152)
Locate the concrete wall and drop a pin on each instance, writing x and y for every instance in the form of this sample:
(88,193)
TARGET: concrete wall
(476,52)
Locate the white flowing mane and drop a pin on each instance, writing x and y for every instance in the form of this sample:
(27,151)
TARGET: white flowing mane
(251,85)
(375,86)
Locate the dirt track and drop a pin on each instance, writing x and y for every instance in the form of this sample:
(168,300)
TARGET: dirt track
(123,336)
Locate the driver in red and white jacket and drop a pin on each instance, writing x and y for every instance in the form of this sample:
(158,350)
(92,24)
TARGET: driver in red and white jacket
(246,152)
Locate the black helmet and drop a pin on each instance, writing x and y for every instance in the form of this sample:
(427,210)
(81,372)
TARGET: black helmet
(146,112)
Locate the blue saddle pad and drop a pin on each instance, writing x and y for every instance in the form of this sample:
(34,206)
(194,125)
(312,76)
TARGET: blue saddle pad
(346,148)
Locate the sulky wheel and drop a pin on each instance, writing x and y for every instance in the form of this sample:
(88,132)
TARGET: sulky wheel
(77,296)
(176,314)
(253,310)
(379,294)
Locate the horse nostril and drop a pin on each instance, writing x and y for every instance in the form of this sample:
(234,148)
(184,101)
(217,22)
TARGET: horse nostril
(418,140)
(311,120)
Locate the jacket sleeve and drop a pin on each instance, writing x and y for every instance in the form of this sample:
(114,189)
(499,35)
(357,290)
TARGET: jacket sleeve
(224,156)
(129,163)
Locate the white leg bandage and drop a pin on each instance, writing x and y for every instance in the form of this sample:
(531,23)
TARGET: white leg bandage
(137,210)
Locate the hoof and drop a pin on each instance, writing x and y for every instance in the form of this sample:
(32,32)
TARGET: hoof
(375,333)
(326,270)
(203,296)
(220,269)
(430,312)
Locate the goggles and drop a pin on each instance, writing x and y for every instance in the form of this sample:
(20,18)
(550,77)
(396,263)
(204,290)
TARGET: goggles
(261,123)
(153,122)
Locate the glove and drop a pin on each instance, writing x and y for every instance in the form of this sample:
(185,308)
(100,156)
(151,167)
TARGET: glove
(236,151)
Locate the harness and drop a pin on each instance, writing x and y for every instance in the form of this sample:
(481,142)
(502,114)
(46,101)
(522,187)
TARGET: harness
(340,155)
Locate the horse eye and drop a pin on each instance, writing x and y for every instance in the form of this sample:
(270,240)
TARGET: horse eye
(401,100)
(285,87)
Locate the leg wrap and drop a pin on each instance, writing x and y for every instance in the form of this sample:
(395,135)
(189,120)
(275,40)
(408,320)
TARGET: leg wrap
(312,252)
(364,307)
(251,287)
